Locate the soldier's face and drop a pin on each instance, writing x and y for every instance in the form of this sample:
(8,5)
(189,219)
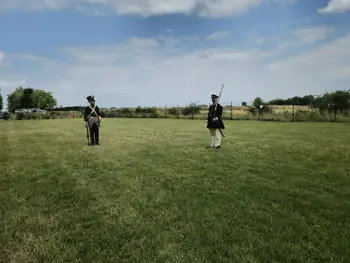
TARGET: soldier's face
(92,102)
(213,99)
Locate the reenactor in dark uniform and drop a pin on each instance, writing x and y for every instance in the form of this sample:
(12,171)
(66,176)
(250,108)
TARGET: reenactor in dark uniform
(93,119)
(214,122)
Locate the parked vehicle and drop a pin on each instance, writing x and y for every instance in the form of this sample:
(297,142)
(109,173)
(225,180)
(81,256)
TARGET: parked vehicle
(22,110)
(29,110)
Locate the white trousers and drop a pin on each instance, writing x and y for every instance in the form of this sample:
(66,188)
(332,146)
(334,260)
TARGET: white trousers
(215,137)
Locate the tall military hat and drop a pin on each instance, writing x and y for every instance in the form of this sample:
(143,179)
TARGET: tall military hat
(90,98)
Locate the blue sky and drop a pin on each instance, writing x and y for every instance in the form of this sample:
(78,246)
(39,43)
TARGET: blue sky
(157,52)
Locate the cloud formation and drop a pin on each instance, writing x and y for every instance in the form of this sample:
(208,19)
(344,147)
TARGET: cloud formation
(336,6)
(311,35)
(204,8)
(2,57)
(207,8)
(142,70)
(307,36)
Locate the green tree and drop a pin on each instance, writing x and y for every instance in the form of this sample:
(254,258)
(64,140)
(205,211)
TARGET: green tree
(307,100)
(43,100)
(27,98)
(336,102)
(296,100)
(1,102)
(317,102)
(173,111)
(259,106)
(30,98)
(14,100)
(278,102)
(192,108)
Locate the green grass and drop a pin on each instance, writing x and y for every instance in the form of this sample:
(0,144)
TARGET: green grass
(275,192)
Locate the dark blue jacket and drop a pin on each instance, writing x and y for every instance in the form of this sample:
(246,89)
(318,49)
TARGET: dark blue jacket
(219,124)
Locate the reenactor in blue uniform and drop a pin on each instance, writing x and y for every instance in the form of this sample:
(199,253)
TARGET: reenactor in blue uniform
(214,122)
(92,119)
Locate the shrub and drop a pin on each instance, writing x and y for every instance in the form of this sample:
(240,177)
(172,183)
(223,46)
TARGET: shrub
(191,109)
(151,111)
(20,116)
(102,114)
(259,107)
(32,116)
(110,114)
(124,112)
(173,111)
(6,116)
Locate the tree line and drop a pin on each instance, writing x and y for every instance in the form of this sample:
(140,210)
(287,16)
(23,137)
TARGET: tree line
(1,102)
(28,98)
(332,102)
(337,101)
(300,101)
(312,101)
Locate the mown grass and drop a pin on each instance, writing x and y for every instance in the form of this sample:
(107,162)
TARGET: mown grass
(275,192)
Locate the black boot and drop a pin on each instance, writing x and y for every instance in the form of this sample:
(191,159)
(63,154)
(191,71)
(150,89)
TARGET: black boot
(92,143)
(97,135)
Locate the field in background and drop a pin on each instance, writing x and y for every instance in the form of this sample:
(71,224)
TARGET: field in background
(241,111)
(275,192)
(279,113)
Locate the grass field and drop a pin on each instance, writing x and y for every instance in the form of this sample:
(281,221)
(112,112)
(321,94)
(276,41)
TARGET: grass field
(274,192)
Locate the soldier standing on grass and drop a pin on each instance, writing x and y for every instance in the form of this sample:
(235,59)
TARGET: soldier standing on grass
(214,122)
(92,119)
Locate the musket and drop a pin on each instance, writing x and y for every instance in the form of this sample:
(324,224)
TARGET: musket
(216,105)
(87,132)
(219,97)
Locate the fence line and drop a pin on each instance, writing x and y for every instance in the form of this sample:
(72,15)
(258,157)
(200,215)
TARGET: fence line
(284,114)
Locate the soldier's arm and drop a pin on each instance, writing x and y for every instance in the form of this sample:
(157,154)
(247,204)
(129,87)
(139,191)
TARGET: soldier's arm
(209,113)
(86,114)
(98,113)
(219,111)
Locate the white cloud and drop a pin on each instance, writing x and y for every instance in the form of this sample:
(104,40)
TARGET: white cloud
(336,6)
(2,57)
(305,36)
(157,72)
(219,34)
(207,8)
(284,2)
(327,63)
(311,35)
(32,5)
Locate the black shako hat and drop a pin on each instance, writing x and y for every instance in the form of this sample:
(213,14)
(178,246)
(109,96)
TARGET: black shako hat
(214,96)
(90,98)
